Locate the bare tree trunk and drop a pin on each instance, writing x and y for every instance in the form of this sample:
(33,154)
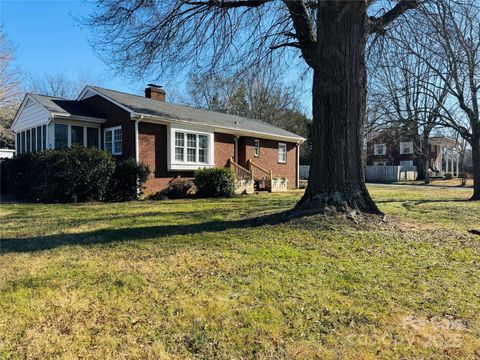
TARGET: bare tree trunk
(476,167)
(339,104)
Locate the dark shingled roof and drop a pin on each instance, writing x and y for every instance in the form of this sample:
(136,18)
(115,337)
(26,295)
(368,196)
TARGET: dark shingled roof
(145,106)
(65,107)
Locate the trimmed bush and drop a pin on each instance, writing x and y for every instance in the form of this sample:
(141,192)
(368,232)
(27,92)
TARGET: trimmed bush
(178,188)
(67,175)
(127,181)
(448,176)
(215,182)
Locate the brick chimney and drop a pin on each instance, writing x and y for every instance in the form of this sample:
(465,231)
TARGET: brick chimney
(155,92)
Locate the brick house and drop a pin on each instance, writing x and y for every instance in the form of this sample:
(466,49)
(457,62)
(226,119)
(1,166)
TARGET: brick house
(391,147)
(174,140)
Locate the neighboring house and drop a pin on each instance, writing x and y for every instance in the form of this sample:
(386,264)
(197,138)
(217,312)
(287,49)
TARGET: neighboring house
(391,148)
(174,140)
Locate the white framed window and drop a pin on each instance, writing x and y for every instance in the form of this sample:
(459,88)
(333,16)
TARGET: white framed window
(113,140)
(202,148)
(379,149)
(282,152)
(406,147)
(179,146)
(256,148)
(190,149)
(195,147)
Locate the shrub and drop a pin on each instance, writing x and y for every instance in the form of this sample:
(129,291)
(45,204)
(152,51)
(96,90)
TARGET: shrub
(127,181)
(215,182)
(178,188)
(448,176)
(67,175)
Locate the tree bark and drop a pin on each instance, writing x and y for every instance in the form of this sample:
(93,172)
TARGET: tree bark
(337,177)
(476,167)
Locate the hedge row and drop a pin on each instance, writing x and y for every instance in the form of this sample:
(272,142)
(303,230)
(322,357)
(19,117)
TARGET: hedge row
(77,174)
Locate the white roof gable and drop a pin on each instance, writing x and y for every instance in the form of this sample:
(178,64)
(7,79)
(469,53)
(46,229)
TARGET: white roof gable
(29,115)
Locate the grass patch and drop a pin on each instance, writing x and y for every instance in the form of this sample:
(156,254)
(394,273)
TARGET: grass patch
(196,279)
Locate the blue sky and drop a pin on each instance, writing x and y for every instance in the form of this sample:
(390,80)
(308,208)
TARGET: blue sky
(49,40)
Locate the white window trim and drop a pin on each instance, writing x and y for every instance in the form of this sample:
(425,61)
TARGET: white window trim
(285,146)
(112,129)
(256,146)
(189,165)
(403,145)
(377,146)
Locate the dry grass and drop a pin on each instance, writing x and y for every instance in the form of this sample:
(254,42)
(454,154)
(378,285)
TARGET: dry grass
(195,279)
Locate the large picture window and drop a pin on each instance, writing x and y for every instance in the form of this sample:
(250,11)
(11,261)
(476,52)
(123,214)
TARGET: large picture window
(113,140)
(61,136)
(194,149)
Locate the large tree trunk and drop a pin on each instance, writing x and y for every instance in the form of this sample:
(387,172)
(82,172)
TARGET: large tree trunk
(476,167)
(339,102)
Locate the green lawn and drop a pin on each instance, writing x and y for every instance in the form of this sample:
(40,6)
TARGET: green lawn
(196,279)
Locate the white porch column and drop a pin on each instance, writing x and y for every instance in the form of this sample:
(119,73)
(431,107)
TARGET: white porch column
(447,152)
(458,160)
(451,159)
(440,157)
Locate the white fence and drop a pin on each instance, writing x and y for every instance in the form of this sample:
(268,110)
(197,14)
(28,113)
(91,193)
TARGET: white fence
(377,173)
(390,173)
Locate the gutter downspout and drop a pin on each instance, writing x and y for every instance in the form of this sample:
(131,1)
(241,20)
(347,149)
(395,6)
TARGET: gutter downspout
(137,153)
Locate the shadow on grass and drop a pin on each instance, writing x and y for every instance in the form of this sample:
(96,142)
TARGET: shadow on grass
(419,202)
(105,236)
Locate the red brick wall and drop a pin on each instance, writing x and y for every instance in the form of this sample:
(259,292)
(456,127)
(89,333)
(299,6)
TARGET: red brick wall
(224,148)
(152,140)
(393,156)
(115,116)
(268,158)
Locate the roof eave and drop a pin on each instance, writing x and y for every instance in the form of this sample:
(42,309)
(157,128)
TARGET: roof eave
(232,131)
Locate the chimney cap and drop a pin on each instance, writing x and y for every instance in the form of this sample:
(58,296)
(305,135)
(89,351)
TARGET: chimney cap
(155,86)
